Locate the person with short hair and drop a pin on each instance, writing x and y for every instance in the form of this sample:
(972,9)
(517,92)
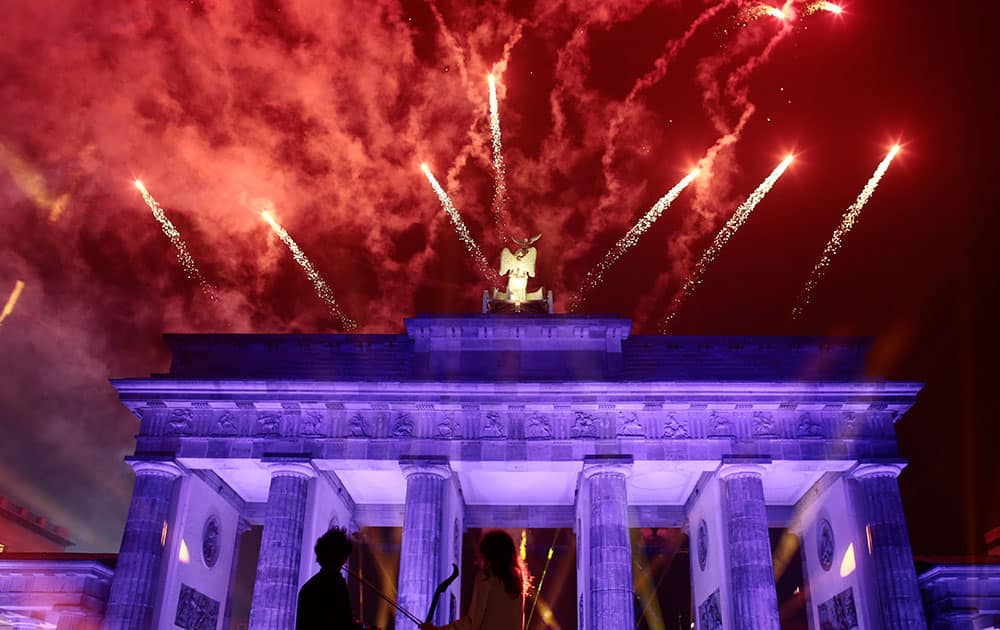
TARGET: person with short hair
(324,602)
(498,588)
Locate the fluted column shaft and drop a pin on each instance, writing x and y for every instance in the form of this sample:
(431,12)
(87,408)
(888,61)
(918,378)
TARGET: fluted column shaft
(130,602)
(611,605)
(895,576)
(755,600)
(275,592)
(420,560)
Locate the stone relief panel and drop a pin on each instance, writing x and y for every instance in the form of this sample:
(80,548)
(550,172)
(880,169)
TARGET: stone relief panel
(763,424)
(493,426)
(195,610)
(314,424)
(710,613)
(627,425)
(402,425)
(585,425)
(675,427)
(359,426)
(268,423)
(850,423)
(447,426)
(808,425)
(839,612)
(227,423)
(719,424)
(180,422)
(538,426)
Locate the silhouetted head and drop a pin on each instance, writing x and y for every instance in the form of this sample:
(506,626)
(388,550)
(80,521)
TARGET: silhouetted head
(333,548)
(499,557)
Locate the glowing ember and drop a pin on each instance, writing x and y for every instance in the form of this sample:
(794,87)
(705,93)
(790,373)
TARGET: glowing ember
(8,308)
(847,223)
(459,224)
(185,258)
(728,230)
(596,275)
(322,288)
(500,213)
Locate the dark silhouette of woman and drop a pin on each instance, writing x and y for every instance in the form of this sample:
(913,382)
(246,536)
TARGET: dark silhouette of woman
(498,588)
(324,602)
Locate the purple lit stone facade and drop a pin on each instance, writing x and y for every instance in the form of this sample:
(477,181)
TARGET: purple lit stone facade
(130,604)
(523,421)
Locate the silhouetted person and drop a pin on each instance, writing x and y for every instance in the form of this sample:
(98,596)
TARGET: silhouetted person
(497,591)
(324,603)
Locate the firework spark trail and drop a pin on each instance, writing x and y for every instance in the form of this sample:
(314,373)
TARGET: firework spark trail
(847,223)
(460,227)
(596,275)
(823,6)
(501,214)
(183,255)
(728,230)
(323,290)
(8,308)
(660,67)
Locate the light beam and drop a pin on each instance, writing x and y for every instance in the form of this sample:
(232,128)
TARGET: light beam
(323,290)
(183,255)
(596,275)
(836,241)
(459,224)
(728,230)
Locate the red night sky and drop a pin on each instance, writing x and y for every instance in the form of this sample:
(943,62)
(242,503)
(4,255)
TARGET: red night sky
(326,111)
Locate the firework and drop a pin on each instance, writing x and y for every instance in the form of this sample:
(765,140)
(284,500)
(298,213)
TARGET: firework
(847,223)
(761,10)
(460,227)
(8,308)
(596,275)
(323,290)
(32,183)
(728,230)
(183,255)
(824,6)
(500,213)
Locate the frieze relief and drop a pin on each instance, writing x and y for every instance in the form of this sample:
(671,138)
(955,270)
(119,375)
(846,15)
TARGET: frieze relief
(181,422)
(447,427)
(763,424)
(627,425)
(402,426)
(675,427)
(268,423)
(808,425)
(538,427)
(585,425)
(493,426)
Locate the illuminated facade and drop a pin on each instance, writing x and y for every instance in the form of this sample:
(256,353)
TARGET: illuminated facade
(518,421)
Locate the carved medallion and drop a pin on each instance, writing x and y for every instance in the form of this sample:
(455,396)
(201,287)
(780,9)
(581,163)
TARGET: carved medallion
(825,544)
(702,544)
(210,541)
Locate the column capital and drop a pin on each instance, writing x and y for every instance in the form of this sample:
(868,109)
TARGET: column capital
(878,469)
(161,467)
(437,466)
(732,469)
(291,469)
(598,464)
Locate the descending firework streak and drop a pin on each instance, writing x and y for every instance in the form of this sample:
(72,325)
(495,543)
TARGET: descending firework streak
(596,275)
(847,223)
(323,290)
(500,200)
(8,308)
(183,255)
(459,224)
(728,230)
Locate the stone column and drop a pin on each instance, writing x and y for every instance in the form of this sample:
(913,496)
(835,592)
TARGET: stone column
(420,561)
(751,569)
(130,602)
(611,594)
(276,588)
(899,599)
